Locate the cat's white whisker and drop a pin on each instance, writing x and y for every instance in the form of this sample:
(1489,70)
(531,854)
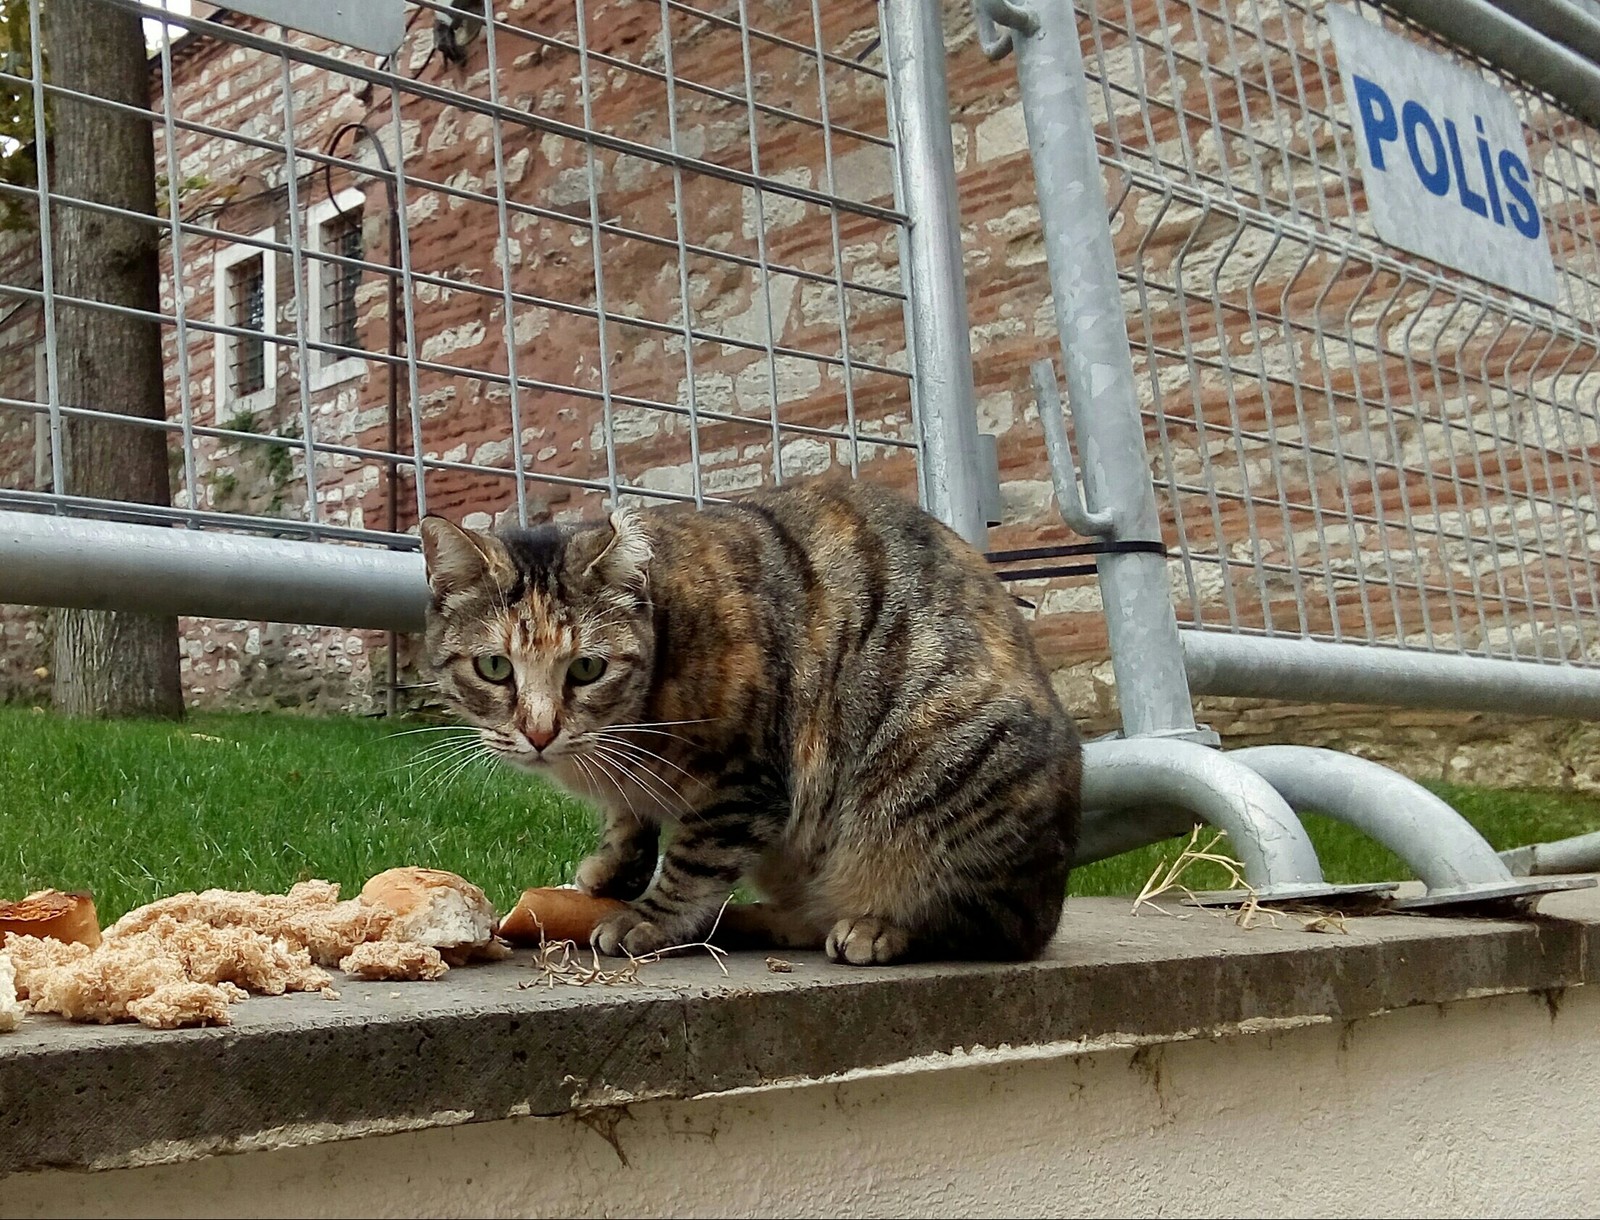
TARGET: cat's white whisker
(455,772)
(432,728)
(450,743)
(661,724)
(600,763)
(424,762)
(639,753)
(635,770)
(442,764)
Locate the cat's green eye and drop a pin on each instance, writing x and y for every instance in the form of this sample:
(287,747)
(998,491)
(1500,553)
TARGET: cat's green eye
(586,670)
(493,667)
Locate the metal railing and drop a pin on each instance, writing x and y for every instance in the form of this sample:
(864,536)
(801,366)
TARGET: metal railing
(671,251)
(1351,445)
(518,266)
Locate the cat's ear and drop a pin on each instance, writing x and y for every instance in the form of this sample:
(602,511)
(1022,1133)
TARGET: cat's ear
(458,558)
(624,552)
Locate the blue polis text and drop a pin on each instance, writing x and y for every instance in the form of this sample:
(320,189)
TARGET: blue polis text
(1434,150)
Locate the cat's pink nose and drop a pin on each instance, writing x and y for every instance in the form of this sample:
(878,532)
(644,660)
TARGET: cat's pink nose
(539,738)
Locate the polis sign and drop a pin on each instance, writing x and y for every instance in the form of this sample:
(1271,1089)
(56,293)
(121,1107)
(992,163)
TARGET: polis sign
(1443,159)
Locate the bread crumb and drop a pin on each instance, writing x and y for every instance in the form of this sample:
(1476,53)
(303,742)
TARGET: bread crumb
(242,956)
(99,986)
(10,1007)
(182,960)
(394,960)
(174,1005)
(132,975)
(31,954)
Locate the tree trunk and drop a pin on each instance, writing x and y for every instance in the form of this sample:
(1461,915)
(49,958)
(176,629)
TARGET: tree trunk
(108,663)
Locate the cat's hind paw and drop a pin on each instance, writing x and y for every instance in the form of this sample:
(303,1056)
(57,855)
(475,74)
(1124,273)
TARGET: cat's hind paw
(866,941)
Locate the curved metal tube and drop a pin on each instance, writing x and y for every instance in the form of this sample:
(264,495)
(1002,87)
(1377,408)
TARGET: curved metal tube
(1436,841)
(1278,857)
(996,19)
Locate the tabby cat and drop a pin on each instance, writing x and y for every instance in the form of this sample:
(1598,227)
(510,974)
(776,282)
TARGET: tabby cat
(818,689)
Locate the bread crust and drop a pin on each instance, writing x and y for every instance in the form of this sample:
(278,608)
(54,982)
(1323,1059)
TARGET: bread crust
(52,914)
(555,913)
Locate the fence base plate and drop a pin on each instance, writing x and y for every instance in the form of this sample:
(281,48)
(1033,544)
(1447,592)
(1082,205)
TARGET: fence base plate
(1367,895)
(1493,891)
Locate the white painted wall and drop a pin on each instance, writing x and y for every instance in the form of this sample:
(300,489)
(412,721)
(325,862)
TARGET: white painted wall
(1485,1107)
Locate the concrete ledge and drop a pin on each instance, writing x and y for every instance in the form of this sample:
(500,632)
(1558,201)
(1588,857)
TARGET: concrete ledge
(482,1045)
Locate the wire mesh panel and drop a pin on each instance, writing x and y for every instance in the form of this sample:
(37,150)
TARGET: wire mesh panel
(1350,443)
(544,255)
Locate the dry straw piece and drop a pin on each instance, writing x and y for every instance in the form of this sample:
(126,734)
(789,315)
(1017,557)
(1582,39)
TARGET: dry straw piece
(561,961)
(1167,878)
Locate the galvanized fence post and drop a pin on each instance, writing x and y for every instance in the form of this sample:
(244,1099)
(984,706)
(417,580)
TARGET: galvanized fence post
(1146,656)
(931,259)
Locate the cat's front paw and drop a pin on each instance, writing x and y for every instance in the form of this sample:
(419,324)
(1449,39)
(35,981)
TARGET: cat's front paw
(866,941)
(628,933)
(606,875)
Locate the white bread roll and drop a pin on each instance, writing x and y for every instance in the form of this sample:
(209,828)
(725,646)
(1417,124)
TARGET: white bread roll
(432,907)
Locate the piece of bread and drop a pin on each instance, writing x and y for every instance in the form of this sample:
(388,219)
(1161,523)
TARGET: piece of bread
(175,1005)
(395,961)
(152,976)
(309,916)
(556,913)
(10,1006)
(52,915)
(431,907)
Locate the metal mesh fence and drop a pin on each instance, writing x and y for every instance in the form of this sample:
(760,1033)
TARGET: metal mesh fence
(583,249)
(1349,443)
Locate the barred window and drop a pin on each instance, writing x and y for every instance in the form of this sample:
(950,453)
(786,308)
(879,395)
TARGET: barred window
(334,232)
(341,236)
(247,309)
(245,299)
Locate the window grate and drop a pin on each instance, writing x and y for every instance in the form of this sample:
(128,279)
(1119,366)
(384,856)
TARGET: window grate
(247,308)
(341,236)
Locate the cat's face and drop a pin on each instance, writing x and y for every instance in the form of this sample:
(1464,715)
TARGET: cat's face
(542,639)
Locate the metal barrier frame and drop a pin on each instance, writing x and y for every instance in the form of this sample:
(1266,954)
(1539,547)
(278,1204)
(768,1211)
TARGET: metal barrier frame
(1149,786)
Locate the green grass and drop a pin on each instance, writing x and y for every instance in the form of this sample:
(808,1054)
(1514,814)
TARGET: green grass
(135,810)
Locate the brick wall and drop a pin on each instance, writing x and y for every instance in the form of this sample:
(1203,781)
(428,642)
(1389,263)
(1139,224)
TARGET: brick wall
(1195,287)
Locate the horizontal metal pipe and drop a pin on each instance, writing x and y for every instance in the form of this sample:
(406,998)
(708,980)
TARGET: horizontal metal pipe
(1519,48)
(1579,854)
(1577,29)
(108,565)
(1307,671)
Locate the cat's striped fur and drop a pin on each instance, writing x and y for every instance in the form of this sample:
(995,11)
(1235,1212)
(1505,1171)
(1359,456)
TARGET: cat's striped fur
(819,689)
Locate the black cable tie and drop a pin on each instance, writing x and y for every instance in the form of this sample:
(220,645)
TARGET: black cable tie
(1070,551)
